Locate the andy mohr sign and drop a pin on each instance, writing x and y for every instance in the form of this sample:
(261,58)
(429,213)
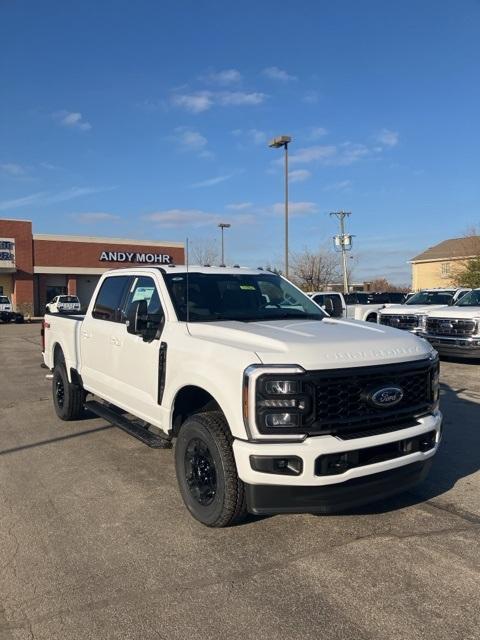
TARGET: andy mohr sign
(132,256)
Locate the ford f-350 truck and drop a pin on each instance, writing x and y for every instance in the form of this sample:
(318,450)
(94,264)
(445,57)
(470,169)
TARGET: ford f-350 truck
(274,407)
(455,330)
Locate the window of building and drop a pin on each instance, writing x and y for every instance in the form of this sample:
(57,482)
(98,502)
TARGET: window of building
(110,297)
(445,269)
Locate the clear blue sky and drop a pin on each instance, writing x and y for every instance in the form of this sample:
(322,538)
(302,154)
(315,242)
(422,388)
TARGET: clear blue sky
(150,119)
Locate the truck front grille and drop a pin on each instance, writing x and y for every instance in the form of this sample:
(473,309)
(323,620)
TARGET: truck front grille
(454,327)
(343,404)
(407,322)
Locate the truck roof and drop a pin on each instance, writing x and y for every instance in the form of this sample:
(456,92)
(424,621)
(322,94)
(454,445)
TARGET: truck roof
(181,268)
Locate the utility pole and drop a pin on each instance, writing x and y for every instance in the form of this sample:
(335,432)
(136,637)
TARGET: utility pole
(223,226)
(342,242)
(278,143)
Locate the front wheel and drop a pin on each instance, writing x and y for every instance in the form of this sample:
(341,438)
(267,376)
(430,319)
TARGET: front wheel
(206,471)
(372,317)
(68,398)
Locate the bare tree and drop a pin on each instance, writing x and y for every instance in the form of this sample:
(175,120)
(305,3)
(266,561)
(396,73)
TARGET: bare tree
(382,285)
(312,271)
(205,251)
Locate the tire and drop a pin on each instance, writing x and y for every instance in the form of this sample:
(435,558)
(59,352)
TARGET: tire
(68,398)
(206,471)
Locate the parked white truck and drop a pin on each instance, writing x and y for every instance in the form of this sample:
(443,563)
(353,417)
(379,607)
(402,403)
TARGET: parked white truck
(7,314)
(64,304)
(358,306)
(455,330)
(275,407)
(410,316)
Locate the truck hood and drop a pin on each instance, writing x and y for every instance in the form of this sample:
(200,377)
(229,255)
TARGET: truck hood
(312,344)
(411,309)
(456,312)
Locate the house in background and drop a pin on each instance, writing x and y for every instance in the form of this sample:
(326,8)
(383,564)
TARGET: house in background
(437,266)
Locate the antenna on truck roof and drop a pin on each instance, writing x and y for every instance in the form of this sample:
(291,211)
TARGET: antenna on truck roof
(186,296)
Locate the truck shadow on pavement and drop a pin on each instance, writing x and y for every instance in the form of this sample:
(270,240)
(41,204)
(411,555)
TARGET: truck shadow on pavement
(457,457)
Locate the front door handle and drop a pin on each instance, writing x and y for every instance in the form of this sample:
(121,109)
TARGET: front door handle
(85,334)
(114,341)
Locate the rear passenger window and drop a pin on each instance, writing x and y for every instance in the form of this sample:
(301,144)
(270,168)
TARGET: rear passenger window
(109,298)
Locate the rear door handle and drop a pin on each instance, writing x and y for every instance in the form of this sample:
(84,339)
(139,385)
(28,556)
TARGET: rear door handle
(85,334)
(114,341)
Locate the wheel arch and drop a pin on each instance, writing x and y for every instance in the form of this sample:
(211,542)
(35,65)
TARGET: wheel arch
(188,400)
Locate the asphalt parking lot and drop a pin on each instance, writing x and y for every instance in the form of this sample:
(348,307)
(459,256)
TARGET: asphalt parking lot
(95,541)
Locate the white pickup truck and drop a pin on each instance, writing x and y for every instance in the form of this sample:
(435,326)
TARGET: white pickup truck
(64,304)
(7,314)
(358,305)
(410,316)
(275,407)
(455,330)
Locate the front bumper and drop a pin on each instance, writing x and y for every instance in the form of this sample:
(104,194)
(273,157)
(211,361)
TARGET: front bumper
(265,499)
(273,493)
(459,347)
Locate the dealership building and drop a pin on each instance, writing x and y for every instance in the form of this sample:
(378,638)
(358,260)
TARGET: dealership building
(34,268)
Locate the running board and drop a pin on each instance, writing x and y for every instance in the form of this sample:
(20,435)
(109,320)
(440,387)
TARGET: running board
(133,428)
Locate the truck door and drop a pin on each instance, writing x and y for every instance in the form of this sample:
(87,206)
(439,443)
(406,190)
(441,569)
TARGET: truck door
(99,337)
(137,363)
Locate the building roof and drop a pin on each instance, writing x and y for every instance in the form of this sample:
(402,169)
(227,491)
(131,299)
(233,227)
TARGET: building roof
(454,248)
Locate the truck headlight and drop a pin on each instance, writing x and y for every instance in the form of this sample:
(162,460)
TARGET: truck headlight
(282,405)
(422,322)
(278,402)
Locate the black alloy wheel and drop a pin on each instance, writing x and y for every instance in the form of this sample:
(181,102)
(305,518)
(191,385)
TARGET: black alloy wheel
(206,471)
(201,474)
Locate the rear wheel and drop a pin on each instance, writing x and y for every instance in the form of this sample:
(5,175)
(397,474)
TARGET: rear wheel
(68,398)
(206,471)
(372,317)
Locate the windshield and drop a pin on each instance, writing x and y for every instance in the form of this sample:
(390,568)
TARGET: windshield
(471,299)
(431,297)
(4,300)
(247,298)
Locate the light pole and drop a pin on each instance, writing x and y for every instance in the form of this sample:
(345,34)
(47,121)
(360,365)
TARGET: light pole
(223,225)
(277,143)
(343,242)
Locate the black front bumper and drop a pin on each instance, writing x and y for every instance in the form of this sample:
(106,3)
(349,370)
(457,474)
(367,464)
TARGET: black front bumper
(269,499)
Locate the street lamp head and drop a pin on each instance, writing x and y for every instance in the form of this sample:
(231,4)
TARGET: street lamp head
(279,141)
(224,225)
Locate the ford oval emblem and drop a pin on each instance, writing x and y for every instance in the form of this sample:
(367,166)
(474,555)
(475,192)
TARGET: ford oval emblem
(386,396)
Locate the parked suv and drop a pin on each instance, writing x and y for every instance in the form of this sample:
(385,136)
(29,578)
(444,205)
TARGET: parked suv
(64,304)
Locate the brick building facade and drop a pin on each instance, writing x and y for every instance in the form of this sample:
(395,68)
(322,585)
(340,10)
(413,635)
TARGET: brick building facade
(34,268)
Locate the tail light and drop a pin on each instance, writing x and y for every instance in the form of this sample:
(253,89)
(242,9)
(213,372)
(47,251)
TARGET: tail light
(45,325)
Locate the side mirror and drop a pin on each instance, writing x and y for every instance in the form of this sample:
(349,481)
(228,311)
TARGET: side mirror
(139,322)
(329,308)
(137,317)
